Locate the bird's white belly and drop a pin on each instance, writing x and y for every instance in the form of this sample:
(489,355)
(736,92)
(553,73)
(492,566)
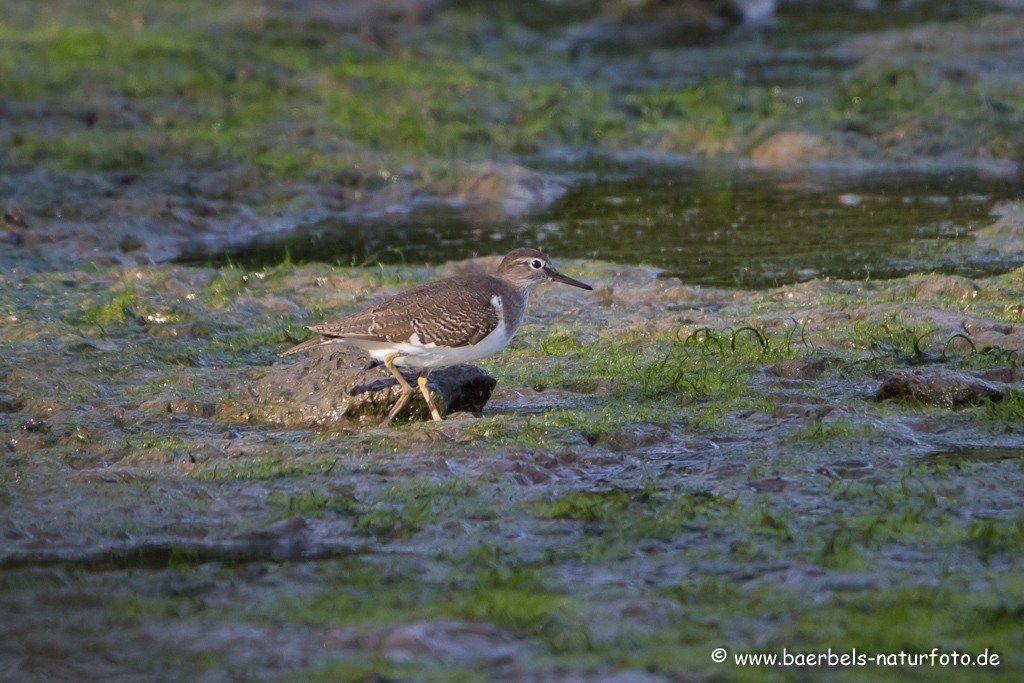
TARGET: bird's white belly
(413,354)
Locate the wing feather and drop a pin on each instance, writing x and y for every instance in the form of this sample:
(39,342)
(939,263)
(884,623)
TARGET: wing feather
(454,312)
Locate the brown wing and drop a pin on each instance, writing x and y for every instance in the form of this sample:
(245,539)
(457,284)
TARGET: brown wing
(453,312)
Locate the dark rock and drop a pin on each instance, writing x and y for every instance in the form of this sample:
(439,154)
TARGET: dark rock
(810,368)
(943,388)
(337,387)
(34,424)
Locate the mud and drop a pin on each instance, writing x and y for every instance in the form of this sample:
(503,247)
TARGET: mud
(679,461)
(632,450)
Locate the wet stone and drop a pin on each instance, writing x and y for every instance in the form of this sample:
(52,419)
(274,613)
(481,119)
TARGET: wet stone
(28,441)
(185,407)
(35,426)
(338,387)
(942,388)
(206,452)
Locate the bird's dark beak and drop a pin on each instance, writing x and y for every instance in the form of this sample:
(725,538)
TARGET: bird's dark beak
(558,277)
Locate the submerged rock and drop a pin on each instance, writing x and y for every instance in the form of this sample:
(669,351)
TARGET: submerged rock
(340,386)
(943,388)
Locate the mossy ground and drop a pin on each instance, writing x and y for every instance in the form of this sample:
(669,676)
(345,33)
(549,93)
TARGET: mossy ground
(112,87)
(639,493)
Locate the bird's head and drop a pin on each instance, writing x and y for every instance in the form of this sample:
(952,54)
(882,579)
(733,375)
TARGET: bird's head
(528,267)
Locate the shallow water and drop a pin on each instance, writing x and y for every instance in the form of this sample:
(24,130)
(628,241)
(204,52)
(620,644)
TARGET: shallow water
(817,24)
(714,227)
(967,455)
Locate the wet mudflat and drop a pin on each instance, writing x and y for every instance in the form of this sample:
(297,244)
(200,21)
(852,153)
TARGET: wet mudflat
(759,444)
(663,470)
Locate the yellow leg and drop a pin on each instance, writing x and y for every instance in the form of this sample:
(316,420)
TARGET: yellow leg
(406,389)
(422,381)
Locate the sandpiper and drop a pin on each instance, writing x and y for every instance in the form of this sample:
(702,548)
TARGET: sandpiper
(442,323)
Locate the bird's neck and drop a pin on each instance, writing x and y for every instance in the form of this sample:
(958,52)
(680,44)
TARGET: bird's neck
(514,304)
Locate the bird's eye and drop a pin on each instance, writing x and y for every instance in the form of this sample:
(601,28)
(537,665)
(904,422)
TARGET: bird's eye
(536,264)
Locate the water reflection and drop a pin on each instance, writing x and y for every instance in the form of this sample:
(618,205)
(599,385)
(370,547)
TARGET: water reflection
(713,227)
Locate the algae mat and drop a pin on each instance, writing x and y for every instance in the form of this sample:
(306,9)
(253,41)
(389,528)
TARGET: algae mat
(663,471)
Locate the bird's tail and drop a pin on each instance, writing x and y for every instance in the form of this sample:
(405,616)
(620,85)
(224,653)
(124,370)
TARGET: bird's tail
(308,344)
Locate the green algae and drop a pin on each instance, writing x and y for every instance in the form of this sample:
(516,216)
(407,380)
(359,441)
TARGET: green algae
(219,91)
(491,519)
(824,432)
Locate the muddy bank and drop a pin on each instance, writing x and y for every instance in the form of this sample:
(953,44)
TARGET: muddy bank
(57,220)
